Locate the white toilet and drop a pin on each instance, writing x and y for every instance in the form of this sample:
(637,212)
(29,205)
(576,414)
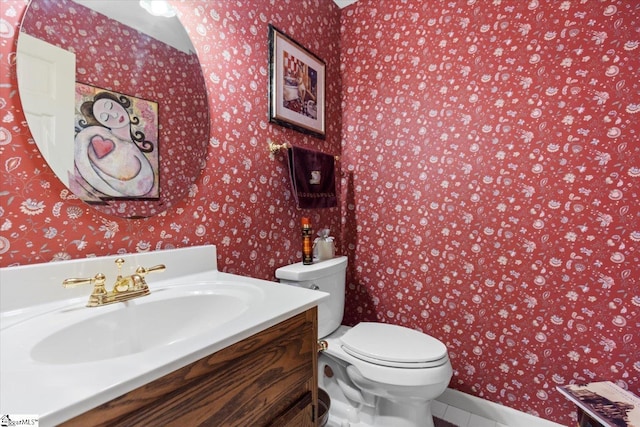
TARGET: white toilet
(376,374)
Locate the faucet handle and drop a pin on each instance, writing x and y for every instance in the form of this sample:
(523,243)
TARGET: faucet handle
(73,282)
(155,269)
(99,292)
(141,272)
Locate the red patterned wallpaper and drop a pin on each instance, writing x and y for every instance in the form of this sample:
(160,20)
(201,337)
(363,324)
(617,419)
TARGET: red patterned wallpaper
(242,202)
(493,160)
(490,168)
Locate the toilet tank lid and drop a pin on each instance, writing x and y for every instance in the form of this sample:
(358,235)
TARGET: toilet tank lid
(300,272)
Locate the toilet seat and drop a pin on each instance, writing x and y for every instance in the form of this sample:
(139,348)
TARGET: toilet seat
(393,346)
(378,372)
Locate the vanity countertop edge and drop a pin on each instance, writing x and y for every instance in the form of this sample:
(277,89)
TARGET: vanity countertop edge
(56,393)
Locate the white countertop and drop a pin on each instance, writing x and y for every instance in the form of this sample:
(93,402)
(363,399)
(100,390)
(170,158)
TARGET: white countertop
(58,392)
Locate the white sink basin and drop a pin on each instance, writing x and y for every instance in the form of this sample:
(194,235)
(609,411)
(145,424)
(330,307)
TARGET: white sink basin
(163,318)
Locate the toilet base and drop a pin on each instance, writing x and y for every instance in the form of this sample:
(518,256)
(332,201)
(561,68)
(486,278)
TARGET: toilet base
(343,414)
(352,407)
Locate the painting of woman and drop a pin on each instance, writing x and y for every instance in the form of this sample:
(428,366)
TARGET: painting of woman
(112,155)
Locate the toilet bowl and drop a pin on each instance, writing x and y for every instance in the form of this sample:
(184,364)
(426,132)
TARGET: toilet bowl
(364,393)
(376,374)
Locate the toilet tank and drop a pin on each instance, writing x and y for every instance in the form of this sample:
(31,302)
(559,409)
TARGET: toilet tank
(328,276)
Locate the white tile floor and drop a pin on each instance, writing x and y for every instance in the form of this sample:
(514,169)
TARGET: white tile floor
(465,410)
(460,417)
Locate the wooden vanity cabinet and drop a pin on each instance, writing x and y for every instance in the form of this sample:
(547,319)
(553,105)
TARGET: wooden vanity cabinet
(268,379)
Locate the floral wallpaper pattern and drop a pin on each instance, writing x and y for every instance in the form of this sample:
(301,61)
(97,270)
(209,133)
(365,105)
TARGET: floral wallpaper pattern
(489,177)
(492,150)
(241,202)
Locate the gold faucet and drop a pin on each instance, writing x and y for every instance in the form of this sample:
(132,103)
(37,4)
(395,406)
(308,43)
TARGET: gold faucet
(124,289)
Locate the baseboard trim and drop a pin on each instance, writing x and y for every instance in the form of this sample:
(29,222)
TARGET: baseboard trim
(493,411)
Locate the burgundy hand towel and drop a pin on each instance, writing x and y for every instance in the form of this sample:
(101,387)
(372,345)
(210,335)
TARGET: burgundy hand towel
(313,178)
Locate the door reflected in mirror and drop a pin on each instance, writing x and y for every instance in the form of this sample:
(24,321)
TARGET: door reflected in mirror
(133,171)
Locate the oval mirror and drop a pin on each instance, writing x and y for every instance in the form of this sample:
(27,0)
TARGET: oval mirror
(115,100)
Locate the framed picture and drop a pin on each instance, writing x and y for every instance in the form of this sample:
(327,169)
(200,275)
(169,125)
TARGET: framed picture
(115,146)
(297,86)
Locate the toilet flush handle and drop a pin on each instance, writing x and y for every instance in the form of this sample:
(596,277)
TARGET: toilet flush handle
(314,287)
(322,345)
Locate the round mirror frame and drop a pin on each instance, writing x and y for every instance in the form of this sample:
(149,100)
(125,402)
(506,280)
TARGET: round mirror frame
(120,60)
